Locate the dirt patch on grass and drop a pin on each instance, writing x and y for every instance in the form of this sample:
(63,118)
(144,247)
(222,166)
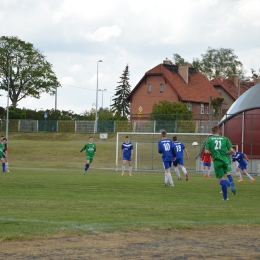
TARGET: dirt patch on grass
(209,243)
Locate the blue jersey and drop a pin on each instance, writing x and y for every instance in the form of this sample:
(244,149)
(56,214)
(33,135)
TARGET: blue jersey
(239,157)
(127,149)
(178,148)
(165,147)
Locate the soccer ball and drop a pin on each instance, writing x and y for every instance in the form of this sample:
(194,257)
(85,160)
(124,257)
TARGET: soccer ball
(195,144)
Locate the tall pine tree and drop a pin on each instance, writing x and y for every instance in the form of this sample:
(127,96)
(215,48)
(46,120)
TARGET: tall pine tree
(120,106)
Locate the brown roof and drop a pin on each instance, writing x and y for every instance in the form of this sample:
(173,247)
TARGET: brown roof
(198,89)
(229,86)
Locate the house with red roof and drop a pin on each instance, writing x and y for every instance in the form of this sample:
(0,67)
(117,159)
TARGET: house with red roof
(175,84)
(231,89)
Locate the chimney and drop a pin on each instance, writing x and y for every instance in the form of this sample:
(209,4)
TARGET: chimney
(234,79)
(168,62)
(184,72)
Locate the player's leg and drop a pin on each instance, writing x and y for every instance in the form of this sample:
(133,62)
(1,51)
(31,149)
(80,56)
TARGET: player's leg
(175,168)
(248,175)
(205,170)
(130,167)
(219,172)
(240,179)
(89,160)
(209,165)
(181,163)
(123,166)
(168,173)
(6,165)
(3,164)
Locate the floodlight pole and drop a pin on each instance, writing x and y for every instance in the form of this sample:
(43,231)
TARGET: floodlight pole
(96,117)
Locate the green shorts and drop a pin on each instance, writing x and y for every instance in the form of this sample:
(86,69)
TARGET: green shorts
(221,167)
(89,158)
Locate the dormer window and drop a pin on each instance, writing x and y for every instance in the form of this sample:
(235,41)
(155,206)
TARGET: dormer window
(149,90)
(161,87)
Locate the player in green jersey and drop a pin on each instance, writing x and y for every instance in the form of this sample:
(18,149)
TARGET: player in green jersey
(220,147)
(90,148)
(2,153)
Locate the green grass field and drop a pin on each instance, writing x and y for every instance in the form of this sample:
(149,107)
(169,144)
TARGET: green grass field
(47,195)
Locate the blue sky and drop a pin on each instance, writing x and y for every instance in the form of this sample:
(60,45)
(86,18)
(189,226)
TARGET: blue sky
(75,34)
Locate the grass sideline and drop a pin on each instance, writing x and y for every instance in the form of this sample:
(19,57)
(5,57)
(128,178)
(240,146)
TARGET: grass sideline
(50,202)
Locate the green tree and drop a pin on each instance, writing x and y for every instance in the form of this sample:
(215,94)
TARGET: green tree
(216,104)
(255,75)
(120,106)
(219,62)
(166,110)
(25,69)
(178,60)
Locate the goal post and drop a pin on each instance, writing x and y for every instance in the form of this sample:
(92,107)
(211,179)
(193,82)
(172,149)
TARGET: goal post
(146,156)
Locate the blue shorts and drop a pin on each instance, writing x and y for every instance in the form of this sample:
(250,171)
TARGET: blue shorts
(242,166)
(127,159)
(178,161)
(167,164)
(207,164)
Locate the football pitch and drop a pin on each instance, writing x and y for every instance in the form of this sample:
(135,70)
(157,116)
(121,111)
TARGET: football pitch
(47,202)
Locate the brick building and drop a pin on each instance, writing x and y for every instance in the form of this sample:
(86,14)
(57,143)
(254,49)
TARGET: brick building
(174,84)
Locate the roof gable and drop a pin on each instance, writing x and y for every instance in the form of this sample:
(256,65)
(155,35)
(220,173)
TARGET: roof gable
(198,88)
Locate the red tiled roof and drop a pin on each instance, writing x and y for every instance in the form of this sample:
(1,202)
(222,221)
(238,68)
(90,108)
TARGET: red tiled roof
(229,86)
(198,89)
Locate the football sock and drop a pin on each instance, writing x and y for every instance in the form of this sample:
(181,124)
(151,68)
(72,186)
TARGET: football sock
(7,165)
(165,177)
(86,166)
(249,176)
(169,177)
(123,168)
(177,171)
(239,175)
(230,178)
(184,170)
(225,183)
(3,167)
(224,188)
(208,172)
(130,170)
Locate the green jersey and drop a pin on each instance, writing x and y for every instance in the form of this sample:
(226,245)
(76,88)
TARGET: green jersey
(90,149)
(219,146)
(2,149)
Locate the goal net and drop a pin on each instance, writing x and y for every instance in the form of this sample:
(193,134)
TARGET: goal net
(146,156)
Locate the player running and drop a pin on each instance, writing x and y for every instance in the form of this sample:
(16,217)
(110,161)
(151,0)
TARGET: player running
(242,159)
(165,147)
(179,147)
(90,148)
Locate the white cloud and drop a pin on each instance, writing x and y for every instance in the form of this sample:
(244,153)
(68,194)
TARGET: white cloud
(103,34)
(75,34)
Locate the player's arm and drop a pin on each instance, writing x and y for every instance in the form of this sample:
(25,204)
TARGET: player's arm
(186,152)
(231,151)
(245,156)
(159,148)
(84,148)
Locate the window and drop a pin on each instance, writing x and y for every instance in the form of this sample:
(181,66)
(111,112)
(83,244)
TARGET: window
(149,88)
(189,105)
(202,108)
(161,87)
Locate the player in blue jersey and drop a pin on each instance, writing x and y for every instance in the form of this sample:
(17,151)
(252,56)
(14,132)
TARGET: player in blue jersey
(242,160)
(165,147)
(127,150)
(179,147)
